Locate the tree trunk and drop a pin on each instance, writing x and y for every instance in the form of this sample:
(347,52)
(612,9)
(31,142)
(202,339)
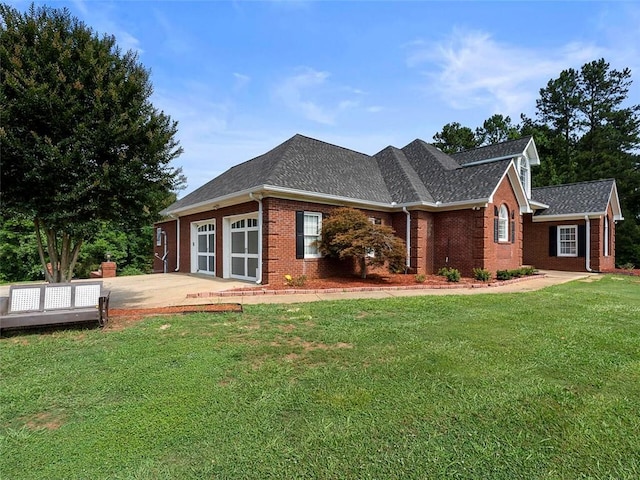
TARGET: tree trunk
(61,262)
(363,267)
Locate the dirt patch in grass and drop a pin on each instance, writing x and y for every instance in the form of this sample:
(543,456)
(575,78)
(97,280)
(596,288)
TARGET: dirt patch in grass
(120,318)
(308,346)
(43,420)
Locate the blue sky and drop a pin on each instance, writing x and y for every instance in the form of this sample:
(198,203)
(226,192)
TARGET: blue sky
(241,77)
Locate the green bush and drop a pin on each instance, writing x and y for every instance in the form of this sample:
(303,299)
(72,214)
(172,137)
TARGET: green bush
(130,270)
(515,273)
(443,271)
(453,275)
(627,266)
(481,274)
(420,278)
(528,271)
(503,275)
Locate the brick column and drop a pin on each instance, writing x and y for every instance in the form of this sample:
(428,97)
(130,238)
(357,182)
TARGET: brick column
(108,269)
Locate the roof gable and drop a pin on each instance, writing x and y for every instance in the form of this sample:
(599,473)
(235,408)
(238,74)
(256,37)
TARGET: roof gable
(509,149)
(577,199)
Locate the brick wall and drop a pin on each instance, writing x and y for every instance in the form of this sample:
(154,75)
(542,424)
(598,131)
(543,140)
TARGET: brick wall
(503,255)
(464,239)
(279,245)
(461,239)
(536,247)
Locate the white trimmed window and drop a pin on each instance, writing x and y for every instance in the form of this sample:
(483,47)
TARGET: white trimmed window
(503,224)
(568,241)
(523,172)
(312,230)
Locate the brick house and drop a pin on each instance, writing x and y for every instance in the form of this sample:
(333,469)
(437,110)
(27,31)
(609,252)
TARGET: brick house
(259,220)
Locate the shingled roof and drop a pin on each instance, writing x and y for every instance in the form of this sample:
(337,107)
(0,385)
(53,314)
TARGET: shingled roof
(508,149)
(575,198)
(419,173)
(300,163)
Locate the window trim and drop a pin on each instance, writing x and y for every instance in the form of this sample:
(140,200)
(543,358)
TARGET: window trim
(317,237)
(503,224)
(574,228)
(524,173)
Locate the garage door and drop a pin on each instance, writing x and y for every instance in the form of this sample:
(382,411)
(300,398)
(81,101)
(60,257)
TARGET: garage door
(244,248)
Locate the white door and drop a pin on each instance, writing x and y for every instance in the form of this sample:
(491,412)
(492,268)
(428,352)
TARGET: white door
(244,249)
(206,248)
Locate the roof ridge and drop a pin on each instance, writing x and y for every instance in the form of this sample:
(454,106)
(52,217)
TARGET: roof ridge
(575,183)
(306,137)
(417,186)
(519,139)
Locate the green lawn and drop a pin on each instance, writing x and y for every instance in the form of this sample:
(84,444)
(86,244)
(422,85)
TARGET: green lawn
(535,385)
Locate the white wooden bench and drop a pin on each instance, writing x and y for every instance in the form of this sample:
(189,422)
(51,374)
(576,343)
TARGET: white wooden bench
(53,304)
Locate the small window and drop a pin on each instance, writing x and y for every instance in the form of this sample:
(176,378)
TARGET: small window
(568,241)
(312,230)
(524,173)
(503,224)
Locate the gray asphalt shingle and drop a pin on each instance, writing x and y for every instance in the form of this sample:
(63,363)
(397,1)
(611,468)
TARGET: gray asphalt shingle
(510,148)
(574,198)
(417,173)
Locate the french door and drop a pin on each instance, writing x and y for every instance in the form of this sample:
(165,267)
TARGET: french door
(206,248)
(244,248)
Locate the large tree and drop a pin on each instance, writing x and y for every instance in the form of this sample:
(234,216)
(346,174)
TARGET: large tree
(594,135)
(81,141)
(455,138)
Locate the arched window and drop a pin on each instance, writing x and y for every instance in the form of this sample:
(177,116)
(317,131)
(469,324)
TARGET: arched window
(503,224)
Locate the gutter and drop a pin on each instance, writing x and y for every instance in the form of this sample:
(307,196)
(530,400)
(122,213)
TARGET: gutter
(177,245)
(587,253)
(259,272)
(408,261)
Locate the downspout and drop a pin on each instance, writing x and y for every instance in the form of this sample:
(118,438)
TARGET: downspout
(259,200)
(177,245)
(408,262)
(587,244)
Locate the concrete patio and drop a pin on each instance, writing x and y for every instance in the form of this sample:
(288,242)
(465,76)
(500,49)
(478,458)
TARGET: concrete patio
(171,289)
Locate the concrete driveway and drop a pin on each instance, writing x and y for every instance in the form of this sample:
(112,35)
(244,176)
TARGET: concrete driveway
(171,289)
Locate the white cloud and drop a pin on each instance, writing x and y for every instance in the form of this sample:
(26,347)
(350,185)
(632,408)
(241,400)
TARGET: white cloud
(309,93)
(294,91)
(471,70)
(100,17)
(241,81)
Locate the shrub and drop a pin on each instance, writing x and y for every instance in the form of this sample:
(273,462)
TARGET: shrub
(420,278)
(443,271)
(130,270)
(528,271)
(503,275)
(627,266)
(481,274)
(515,273)
(453,275)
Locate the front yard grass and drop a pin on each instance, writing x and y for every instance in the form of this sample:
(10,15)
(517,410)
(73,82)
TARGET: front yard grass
(534,385)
